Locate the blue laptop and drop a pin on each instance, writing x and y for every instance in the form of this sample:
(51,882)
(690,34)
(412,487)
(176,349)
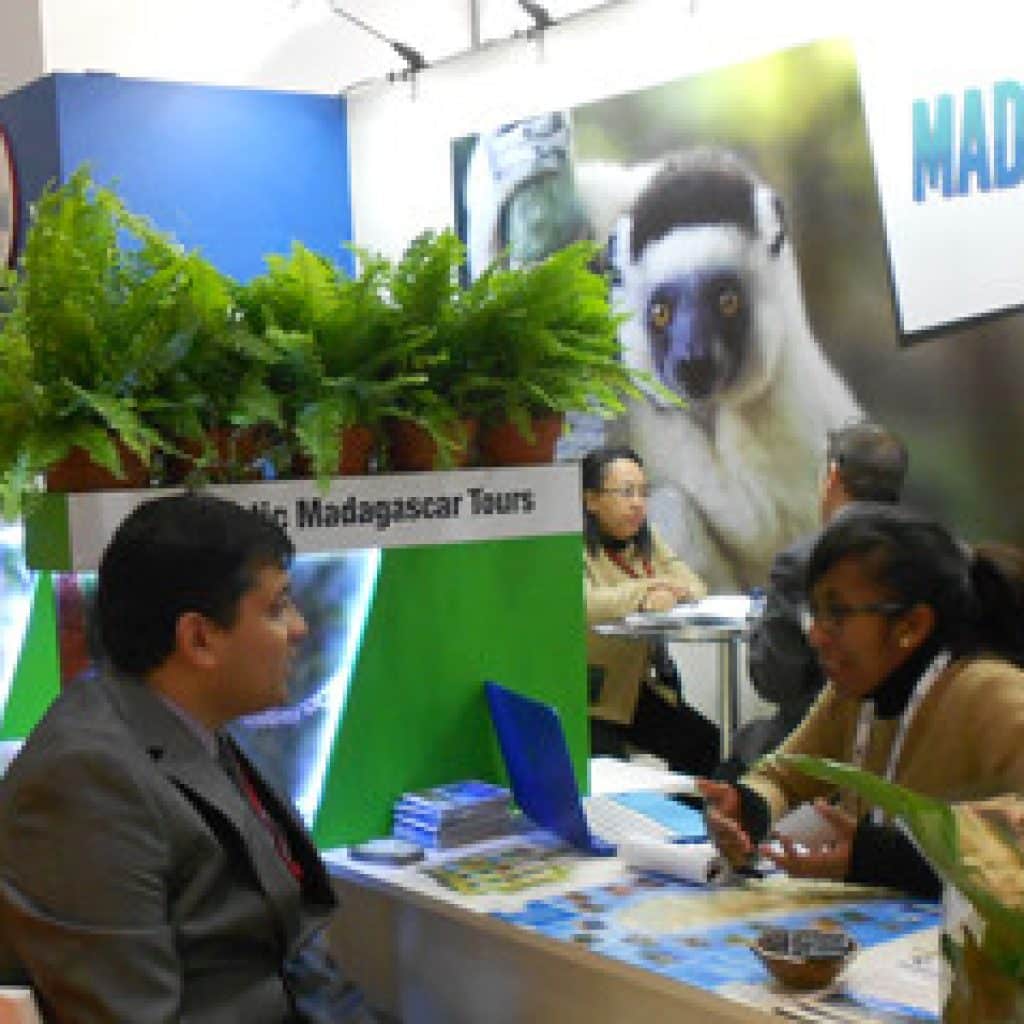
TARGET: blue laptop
(544,785)
(539,766)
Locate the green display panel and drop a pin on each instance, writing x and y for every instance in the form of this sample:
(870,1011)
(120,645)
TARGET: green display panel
(444,619)
(37,676)
(416,589)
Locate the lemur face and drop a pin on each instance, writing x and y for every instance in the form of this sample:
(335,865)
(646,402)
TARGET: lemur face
(697,325)
(698,261)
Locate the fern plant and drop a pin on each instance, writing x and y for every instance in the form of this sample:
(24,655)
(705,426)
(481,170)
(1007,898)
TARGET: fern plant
(112,334)
(517,342)
(543,338)
(424,288)
(341,358)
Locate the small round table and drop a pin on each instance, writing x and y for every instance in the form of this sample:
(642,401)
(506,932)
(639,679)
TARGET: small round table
(728,634)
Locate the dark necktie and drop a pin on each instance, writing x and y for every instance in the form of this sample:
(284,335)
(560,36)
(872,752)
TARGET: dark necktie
(242,777)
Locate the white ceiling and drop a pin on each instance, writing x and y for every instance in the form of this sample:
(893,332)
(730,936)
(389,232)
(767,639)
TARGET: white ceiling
(283,44)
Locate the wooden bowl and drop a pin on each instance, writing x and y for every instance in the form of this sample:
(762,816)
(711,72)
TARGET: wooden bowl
(804,958)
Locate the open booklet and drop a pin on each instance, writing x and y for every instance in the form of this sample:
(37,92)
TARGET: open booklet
(715,610)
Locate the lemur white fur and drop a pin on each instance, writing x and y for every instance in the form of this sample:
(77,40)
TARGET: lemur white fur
(735,474)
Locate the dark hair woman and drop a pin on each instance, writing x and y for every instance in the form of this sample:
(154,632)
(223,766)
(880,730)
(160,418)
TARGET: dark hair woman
(628,568)
(921,641)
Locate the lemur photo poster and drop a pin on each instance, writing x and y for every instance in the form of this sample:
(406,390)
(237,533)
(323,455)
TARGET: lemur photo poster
(745,241)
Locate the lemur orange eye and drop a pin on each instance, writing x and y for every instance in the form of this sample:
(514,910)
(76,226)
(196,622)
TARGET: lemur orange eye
(660,316)
(728,302)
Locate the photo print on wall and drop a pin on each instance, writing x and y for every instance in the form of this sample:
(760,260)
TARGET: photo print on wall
(745,239)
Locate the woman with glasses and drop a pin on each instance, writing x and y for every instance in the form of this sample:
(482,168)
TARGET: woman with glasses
(921,642)
(634,689)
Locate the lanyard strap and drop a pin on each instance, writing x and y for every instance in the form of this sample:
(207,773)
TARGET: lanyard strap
(867,717)
(617,558)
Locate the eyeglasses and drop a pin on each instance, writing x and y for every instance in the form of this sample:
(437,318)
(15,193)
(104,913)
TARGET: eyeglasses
(628,492)
(832,617)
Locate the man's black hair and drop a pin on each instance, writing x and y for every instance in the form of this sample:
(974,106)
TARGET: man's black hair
(177,554)
(871,460)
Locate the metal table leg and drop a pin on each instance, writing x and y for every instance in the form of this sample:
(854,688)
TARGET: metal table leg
(728,690)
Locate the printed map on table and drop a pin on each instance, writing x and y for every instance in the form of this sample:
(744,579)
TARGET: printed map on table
(512,870)
(702,937)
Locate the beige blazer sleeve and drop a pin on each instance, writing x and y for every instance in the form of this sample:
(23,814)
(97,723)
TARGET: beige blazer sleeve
(826,731)
(610,593)
(964,743)
(669,567)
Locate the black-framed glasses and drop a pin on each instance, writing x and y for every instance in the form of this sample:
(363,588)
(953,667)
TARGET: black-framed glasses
(630,491)
(832,616)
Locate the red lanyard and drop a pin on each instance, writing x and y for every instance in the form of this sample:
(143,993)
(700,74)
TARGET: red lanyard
(617,558)
(239,773)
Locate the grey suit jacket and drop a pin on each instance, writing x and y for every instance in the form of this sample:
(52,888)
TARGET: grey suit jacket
(137,885)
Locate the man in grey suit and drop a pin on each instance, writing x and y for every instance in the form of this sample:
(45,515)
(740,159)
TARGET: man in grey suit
(864,462)
(147,872)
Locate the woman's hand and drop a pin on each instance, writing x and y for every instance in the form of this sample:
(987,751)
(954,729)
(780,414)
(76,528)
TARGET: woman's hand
(658,599)
(829,859)
(662,595)
(722,814)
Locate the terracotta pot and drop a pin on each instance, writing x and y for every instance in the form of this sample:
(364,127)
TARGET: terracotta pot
(237,453)
(356,448)
(501,444)
(410,447)
(77,472)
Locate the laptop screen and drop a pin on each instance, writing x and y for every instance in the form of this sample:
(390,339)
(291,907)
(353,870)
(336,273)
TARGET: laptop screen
(539,765)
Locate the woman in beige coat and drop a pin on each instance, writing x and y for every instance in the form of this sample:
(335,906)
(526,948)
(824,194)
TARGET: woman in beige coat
(634,693)
(922,643)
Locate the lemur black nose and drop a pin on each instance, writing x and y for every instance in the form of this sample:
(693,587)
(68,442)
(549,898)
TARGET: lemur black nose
(694,378)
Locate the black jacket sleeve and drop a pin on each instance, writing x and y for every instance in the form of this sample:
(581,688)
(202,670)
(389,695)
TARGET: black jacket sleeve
(783,667)
(884,855)
(755,815)
(881,854)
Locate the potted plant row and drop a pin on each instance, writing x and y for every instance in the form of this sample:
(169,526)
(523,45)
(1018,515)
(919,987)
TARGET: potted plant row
(122,358)
(509,355)
(125,354)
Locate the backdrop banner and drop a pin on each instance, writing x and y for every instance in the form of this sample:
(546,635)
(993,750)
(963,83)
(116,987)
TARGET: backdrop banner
(947,132)
(746,242)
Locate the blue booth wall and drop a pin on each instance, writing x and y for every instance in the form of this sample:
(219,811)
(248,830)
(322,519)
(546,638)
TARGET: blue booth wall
(237,173)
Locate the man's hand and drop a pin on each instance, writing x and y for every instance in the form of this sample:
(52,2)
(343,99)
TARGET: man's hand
(722,813)
(830,859)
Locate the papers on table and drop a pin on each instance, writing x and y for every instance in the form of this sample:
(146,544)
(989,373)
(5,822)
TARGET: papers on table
(613,775)
(716,610)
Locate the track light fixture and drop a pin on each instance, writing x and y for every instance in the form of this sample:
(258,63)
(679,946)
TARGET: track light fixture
(415,61)
(541,18)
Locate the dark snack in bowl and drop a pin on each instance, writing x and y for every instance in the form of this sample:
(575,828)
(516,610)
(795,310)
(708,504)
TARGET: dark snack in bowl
(804,958)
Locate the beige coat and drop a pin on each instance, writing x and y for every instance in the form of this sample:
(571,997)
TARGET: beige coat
(610,594)
(965,742)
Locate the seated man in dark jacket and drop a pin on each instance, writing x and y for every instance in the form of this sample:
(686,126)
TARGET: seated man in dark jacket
(864,462)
